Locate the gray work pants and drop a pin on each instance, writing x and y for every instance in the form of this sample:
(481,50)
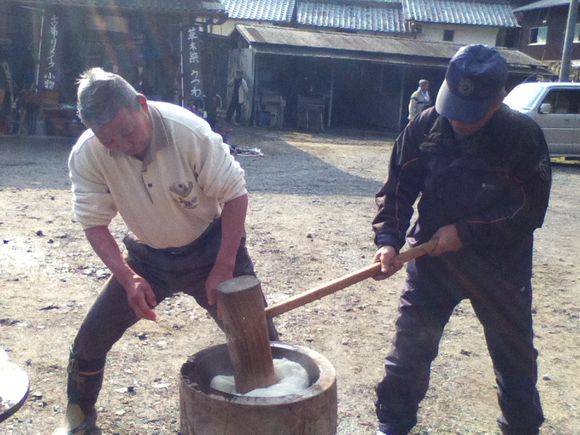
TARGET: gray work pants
(502,303)
(168,271)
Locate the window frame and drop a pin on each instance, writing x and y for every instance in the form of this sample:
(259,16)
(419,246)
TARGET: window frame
(539,30)
(560,98)
(446,33)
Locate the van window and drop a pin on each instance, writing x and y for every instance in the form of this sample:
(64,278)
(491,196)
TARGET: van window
(523,97)
(564,101)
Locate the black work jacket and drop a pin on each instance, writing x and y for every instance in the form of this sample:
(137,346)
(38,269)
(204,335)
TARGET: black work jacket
(495,191)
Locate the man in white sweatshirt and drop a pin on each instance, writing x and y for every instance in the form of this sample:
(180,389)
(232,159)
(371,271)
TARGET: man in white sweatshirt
(183,198)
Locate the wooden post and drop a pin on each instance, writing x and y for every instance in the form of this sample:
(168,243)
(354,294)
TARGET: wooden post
(242,309)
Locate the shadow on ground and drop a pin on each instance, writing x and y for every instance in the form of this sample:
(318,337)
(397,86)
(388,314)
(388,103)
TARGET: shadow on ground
(289,170)
(28,163)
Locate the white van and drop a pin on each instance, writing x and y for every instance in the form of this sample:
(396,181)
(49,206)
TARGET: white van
(555,106)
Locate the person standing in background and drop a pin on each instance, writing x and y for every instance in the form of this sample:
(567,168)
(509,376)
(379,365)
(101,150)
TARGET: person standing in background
(238,99)
(420,99)
(6,95)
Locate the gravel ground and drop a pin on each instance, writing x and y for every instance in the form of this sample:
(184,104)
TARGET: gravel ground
(309,222)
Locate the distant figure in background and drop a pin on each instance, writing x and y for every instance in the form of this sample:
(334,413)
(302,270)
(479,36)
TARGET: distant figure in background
(7,98)
(420,99)
(3,93)
(213,105)
(239,97)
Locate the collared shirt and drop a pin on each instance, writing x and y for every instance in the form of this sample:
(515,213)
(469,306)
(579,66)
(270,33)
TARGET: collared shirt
(170,197)
(418,102)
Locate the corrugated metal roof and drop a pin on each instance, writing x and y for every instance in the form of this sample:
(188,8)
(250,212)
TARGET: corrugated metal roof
(161,6)
(385,49)
(362,17)
(473,12)
(260,10)
(542,4)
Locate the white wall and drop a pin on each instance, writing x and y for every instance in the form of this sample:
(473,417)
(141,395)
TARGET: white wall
(463,34)
(224,29)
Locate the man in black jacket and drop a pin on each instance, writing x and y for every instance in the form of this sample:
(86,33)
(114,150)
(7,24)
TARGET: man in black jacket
(483,174)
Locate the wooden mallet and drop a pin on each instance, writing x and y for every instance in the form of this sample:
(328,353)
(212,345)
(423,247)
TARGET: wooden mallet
(245,318)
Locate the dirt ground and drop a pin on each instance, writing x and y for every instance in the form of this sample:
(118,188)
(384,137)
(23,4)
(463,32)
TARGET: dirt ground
(309,222)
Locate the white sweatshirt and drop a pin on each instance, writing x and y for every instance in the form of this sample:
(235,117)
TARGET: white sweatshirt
(169,198)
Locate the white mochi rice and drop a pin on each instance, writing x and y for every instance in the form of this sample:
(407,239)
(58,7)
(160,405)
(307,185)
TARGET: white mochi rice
(292,379)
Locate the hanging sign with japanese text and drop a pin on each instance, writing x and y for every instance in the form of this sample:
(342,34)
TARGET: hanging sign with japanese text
(193,91)
(50,52)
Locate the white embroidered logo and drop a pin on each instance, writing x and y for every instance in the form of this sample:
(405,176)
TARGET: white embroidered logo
(466,87)
(183,194)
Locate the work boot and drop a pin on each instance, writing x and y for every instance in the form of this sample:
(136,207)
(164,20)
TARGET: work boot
(77,422)
(382,430)
(85,379)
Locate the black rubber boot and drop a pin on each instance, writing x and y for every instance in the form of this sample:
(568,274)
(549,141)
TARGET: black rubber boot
(85,379)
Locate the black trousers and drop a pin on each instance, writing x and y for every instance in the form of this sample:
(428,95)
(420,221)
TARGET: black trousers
(435,285)
(236,107)
(168,271)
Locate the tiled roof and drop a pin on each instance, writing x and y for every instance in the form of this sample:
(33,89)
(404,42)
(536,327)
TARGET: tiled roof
(473,12)
(161,6)
(260,10)
(377,16)
(385,16)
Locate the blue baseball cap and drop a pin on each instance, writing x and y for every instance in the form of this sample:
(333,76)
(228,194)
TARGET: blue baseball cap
(474,80)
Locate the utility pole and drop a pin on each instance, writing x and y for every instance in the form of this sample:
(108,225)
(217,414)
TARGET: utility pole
(568,41)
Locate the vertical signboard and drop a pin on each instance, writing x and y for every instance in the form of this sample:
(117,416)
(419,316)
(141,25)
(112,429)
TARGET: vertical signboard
(50,49)
(191,79)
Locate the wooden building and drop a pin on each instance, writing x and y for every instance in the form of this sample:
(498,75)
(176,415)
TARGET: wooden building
(543,27)
(309,64)
(347,80)
(354,63)
(45,45)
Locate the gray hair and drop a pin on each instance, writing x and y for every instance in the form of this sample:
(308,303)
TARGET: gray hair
(423,82)
(101,95)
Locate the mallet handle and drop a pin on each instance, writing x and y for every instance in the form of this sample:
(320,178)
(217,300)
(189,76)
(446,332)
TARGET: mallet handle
(344,281)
